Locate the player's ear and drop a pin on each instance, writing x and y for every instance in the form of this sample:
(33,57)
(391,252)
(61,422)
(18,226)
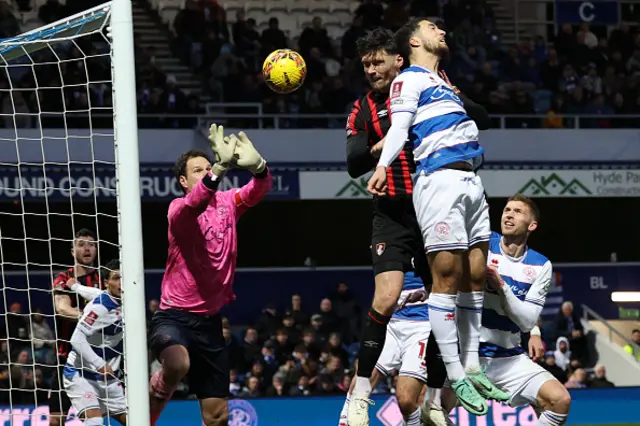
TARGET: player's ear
(532,226)
(399,61)
(183,183)
(414,42)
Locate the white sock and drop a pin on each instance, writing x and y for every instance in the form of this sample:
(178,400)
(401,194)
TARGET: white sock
(94,421)
(434,395)
(442,315)
(469,322)
(414,418)
(362,387)
(345,407)
(549,418)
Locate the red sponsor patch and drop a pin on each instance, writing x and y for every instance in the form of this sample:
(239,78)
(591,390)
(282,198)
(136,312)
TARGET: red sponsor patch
(449,316)
(396,90)
(494,261)
(91,318)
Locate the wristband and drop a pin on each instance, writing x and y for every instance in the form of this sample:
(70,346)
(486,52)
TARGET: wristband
(212,180)
(535,331)
(261,171)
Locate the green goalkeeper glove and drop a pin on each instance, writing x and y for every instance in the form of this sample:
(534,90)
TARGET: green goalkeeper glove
(223,148)
(246,155)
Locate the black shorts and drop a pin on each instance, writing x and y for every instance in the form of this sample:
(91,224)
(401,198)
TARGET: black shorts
(59,402)
(396,238)
(208,375)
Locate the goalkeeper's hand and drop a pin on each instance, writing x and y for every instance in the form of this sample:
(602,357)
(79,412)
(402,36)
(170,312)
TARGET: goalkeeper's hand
(223,148)
(246,155)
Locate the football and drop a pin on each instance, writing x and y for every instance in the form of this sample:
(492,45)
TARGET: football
(284,71)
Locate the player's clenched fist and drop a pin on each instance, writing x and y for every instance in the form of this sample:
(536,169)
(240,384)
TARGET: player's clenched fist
(247,157)
(223,148)
(378,182)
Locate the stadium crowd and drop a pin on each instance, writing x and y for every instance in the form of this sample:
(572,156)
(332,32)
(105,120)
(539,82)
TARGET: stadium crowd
(576,73)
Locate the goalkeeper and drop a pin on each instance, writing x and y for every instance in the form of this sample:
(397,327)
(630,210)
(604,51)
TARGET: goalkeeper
(186,332)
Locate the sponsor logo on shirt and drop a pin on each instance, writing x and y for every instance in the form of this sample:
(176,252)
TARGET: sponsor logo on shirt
(91,318)
(396,89)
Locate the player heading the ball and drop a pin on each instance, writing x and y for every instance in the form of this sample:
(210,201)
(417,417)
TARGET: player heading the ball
(186,332)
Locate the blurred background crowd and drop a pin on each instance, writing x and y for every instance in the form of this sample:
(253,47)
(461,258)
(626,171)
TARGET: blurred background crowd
(220,49)
(303,350)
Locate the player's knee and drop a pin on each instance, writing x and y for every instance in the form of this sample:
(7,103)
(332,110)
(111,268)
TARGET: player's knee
(175,364)
(56,421)
(556,398)
(388,289)
(218,417)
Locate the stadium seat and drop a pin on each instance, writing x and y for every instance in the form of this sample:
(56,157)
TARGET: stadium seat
(252,5)
(335,31)
(282,5)
(298,6)
(168,15)
(339,6)
(231,6)
(353,6)
(318,5)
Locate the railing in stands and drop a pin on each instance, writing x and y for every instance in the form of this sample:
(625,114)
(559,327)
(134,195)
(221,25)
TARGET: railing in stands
(587,312)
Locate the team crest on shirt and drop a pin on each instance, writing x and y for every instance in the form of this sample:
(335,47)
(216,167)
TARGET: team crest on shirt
(529,272)
(380,248)
(442,230)
(396,89)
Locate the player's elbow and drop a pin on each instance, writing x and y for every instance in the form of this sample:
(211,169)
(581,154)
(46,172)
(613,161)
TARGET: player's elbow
(358,165)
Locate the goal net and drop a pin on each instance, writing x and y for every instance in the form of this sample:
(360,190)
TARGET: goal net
(69,203)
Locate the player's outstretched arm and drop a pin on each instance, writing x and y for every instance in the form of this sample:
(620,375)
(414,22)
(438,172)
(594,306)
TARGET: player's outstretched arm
(360,160)
(87,293)
(248,158)
(201,195)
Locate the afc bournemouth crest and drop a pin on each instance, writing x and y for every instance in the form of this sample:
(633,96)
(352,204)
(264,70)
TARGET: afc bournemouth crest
(380,248)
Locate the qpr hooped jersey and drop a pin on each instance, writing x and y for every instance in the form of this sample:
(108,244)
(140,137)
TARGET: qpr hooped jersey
(101,323)
(529,278)
(416,311)
(441,132)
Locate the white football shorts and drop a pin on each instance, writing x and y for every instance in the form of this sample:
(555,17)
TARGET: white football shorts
(452,210)
(517,375)
(404,349)
(86,394)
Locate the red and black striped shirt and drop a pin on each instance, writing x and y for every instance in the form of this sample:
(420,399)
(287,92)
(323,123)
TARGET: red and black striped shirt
(65,326)
(368,123)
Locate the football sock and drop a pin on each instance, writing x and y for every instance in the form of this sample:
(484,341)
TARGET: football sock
(160,391)
(413,419)
(345,409)
(434,395)
(442,315)
(549,418)
(469,322)
(436,371)
(371,344)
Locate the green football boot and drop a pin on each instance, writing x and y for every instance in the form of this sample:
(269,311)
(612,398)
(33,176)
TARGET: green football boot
(469,397)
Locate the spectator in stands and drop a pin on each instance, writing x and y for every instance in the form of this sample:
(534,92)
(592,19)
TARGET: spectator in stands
(302,388)
(9,25)
(251,389)
(355,31)
(553,368)
(320,332)
(578,379)
(315,36)
(277,387)
(273,37)
(371,12)
(250,348)
(599,380)
(335,348)
(235,352)
(395,15)
(630,349)
(348,312)
(283,346)
(292,329)
(330,321)
(235,387)
(18,328)
(327,386)
(215,19)
(268,322)
(567,324)
(43,339)
(52,11)
(189,25)
(295,311)
(562,353)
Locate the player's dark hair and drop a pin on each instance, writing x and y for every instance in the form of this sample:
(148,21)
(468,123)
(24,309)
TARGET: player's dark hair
(529,202)
(85,232)
(375,41)
(112,266)
(180,168)
(404,34)
(635,330)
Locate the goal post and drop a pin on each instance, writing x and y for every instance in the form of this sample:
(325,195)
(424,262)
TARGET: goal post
(75,141)
(129,211)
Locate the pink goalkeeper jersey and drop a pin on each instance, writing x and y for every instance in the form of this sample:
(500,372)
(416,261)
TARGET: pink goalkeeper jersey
(203,246)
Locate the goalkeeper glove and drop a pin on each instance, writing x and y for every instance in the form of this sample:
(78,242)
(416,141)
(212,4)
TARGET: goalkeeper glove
(246,155)
(223,148)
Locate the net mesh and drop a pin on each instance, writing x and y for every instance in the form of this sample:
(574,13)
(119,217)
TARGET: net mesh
(57,176)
